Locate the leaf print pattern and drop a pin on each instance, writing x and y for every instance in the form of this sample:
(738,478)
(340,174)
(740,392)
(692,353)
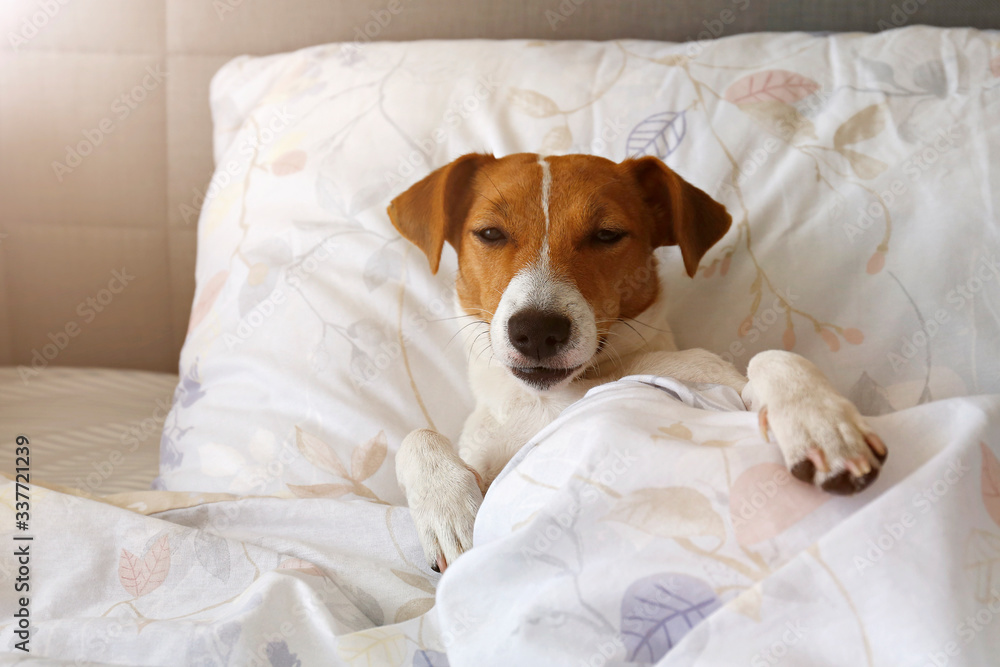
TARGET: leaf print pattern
(319,453)
(141,576)
(658,610)
(206,300)
(557,140)
(658,135)
(770,86)
(669,512)
(365,462)
(990,482)
(279,655)
(213,554)
(381,646)
(430,659)
(414,608)
(299,565)
(765,500)
(865,124)
(532,103)
(368,458)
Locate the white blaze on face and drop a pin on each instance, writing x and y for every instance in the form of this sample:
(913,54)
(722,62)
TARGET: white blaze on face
(537,287)
(546,189)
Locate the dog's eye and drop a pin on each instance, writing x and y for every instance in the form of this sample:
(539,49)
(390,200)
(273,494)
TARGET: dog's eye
(609,236)
(491,236)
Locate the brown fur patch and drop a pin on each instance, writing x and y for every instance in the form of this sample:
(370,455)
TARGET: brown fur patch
(642,198)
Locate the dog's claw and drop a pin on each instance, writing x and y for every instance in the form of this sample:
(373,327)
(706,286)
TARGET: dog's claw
(877,446)
(858,466)
(762,422)
(816,455)
(441,564)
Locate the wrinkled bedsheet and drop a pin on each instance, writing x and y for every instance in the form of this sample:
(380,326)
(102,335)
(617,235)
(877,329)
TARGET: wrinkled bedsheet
(649,524)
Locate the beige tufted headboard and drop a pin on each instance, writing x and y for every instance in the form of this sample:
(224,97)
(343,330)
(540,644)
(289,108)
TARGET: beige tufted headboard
(105,133)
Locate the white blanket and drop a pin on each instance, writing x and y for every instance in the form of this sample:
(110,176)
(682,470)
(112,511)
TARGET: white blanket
(646,525)
(651,523)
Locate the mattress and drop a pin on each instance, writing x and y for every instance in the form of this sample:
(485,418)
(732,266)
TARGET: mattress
(96,430)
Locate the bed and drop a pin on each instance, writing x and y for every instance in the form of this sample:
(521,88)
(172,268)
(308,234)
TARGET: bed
(651,523)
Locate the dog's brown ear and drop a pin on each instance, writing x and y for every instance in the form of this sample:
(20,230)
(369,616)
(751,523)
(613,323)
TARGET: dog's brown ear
(683,214)
(433,210)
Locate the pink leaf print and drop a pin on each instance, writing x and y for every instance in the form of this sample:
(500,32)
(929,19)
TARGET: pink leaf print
(766,500)
(129,572)
(876,263)
(991,483)
(289,163)
(995,66)
(300,565)
(831,339)
(854,336)
(142,576)
(207,299)
(788,339)
(771,85)
(745,326)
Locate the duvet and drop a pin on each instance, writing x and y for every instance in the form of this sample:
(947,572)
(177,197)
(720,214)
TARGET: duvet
(649,524)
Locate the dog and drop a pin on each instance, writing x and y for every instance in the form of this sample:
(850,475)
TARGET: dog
(544,246)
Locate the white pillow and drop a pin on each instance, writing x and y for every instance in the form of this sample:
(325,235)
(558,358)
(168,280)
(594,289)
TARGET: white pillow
(319,338)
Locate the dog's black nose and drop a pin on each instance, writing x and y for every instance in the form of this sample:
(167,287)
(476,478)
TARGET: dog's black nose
(537,334)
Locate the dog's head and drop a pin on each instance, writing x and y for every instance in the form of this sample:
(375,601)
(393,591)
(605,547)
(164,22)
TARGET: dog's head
(552,251)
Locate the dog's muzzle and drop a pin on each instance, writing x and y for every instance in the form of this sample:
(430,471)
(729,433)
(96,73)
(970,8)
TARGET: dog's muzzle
(540,336)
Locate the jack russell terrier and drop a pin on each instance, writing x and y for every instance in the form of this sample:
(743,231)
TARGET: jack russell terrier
(544,245)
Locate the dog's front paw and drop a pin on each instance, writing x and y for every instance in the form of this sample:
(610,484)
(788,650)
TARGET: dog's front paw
(444,510)
(825,441)
(443,493)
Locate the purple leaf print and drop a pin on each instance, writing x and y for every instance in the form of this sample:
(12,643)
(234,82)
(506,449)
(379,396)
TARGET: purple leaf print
(190,389)
(279,655)
(430,659)
(658,135)
(384,264)
(658,610)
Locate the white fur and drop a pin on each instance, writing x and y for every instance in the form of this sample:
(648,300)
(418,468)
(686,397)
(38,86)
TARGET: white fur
(537,287)
(546,190)
(803,410)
